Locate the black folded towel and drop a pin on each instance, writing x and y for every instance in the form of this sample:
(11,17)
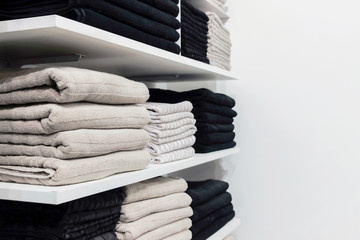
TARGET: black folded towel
(106,236)
(213,147)
(204,106)
(194,54)
(164,5)
(214,138)
(196,12)
(212,128)
(203,191)
(205,117)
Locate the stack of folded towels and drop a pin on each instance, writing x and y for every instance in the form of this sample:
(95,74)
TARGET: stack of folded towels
(68,125)
(219,3)
(92,217)
(155,209)
(171,130)
(212,207)
(194,32)
(148,21)
(219,43)
(213,114)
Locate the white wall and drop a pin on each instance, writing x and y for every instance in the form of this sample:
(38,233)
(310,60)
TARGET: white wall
(297,176)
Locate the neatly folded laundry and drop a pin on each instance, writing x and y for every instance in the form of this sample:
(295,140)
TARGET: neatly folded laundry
(170,117)
(156,133)
(52,171)
(173,156)
(202,191)
(183,135)
(170,125)
(164,5)
(106,236)
(213,204)
(159,149)
(73,144)
(205,117)
(66,85)
(210,128)
(204,106)
(51,118)
(193,54)
(155,187)
(213,147)
(214,138)
(195,11)
(184,235)
(161,109)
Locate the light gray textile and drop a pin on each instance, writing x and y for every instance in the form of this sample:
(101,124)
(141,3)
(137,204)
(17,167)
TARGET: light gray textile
(229,238)
(157,133)
(183,135)
(152,188)
(174,155)
(73,144)
(184,235)
(170,117)
(170,125)
(167,230)
(52,171)
(161,109)
(133,230)
(157,149)
(51,118)
(67,85)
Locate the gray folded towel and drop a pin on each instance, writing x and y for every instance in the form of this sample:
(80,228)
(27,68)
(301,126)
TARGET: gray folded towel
(73,144)
(51,118)
(67,85)
(52,171)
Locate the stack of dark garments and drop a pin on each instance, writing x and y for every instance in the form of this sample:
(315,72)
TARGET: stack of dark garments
(212,207)
(92,217)
(194,31)
(148,21)
(213,114)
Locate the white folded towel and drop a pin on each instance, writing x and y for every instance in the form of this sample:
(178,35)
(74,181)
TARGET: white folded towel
(158,149)
(170,125)
(157,133)
(170,117)
(174,155)
(161,109)
(173,138)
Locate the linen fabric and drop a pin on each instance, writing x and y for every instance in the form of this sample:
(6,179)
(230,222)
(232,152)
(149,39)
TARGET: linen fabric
(213,147)
(152,188)
(170,125)
(161,109)
(159,149)
(210,206)
(203,191)
(174,155)
(52,171)
(184,235)
(73,144)
(52,118)
(213,128)
(67,85)
(214,138)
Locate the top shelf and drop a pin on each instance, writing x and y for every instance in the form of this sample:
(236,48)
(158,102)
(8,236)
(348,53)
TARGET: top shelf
(26,41)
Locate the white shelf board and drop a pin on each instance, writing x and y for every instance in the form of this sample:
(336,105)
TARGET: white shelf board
(24,41)
(208,5)
(226,230)
(61,194)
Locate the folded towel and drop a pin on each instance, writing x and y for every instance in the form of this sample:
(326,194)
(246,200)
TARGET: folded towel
(164,5)
(51,171)
(210,128)
(160,134)
(199,148)
(106,236)
(51,118)
(67,84)
(203,191)
(133,211)
(214,138)
(167,230)
(174,155)
(173,138)
(133,230)
(161,109)
(170,125)
(211,205)
(159,149)
(184,235)
(73,144)
(155,187)
(204,106)
(205,117)
(170,117)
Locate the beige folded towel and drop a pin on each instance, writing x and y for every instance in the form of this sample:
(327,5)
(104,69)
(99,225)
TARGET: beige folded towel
(157,133)
(133,230)
(161,109)
(182,135)
(158,149)
(174,155)
(133,211)
(170,117)
(184,235)
(66,85)
(229,238)
(155,187)
(170,125)
(73,144)
(51,118)
(167,230)
(52,171)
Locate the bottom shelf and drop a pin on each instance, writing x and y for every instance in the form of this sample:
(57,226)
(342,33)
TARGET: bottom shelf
(226,230)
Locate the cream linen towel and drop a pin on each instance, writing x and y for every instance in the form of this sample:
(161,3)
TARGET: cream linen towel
(133,230)
(155,187)
(51,118)
(73,144)
(157,149)
(186,134)
(184,235)
(66,85)
(133,211)
(51,171)
(174,155)
(161,109)
(229,238)
(167,230)
(157,133)
(170,125)
(171,117)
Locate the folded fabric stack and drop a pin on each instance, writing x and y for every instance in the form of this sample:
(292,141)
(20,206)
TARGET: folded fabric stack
(194,32)
(219,3)
(67,125)
(155,209)
(171,130)
(92,217)
(212,207)
(219,43)
(213,114)
(151,22)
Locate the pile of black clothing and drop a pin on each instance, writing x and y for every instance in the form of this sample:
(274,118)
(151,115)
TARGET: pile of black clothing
(212,207)
(213,114)
(92,217)
(149,21)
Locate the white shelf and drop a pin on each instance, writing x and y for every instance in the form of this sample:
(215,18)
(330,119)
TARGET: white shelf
(30,40)
(226,230)
(208,5)
(61,194)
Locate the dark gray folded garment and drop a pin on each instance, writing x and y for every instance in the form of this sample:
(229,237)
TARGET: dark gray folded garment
(203,191)
(205,117)
(214,138)
(210,128)
(164,5)
(213,147)
(204,106)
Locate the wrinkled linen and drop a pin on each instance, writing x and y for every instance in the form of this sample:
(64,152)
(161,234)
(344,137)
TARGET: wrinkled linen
(162,134)
(161,109)
(67,85)
(51,118)
(203,191)
(170,125)
(73,144)
(182,135)
(184,235)
(158,149)
(174,155)
(52,171)
(155,187)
